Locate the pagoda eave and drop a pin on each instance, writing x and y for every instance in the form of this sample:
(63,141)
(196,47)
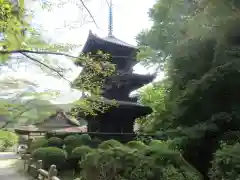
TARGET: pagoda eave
(95,43)
(133,80)
(142,110)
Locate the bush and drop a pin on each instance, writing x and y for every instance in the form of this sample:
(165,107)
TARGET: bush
(50,156)
(38,143)
(156,142)
(7,139)
(136,145)
(55,142)
(78,154)
(120,163)
(84,139)
(70,140)
(95,142)
(70,143)
(73,141)
(109,144)
(226,163)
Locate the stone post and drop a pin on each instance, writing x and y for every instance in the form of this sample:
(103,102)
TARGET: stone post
(52,172)
(39,164)
(30,161)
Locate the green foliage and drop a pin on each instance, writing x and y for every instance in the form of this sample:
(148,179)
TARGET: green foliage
(157,143)
(50,156)
(94,73)
(95,142)
(55,142)
(84,139)
(17,34)
(78,154)
(38,143)
(70,143)
(136,145)
(7,139)
(123,163)
(91,80)
(110,144)
(226,163)
(197,103)
(73,141)
(12,25)
(155,97)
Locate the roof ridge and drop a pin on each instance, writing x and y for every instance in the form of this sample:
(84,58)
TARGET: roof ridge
(111,39)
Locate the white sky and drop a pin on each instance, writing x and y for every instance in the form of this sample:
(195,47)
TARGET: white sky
(129,18)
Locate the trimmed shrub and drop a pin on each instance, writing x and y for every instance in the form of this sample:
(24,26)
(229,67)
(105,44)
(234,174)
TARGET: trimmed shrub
(70,140)
(95,142)
(156,142)
(7,139)
(73,141)
(136,145)
(50,156)
(120,163)
(109,144)
(70,143)
(226,163)
(55,142)
(84,139)
(78,155)
(38,143)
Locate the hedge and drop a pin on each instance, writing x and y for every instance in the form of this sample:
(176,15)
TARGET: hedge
(118,163)
(109,144)
(38,143)
(78,154)
(55,142)
(50,156)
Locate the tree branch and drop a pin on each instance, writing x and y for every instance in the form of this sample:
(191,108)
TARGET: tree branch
(47,66)
(56,53)
(39,52)
(84,5)
(21,113)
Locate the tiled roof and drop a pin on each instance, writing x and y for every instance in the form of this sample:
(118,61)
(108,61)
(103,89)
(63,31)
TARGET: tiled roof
(109,39)
(60,116)
(114,40)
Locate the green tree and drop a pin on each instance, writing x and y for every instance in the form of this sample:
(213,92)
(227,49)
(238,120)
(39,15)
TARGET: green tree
(19,37)
(201,99)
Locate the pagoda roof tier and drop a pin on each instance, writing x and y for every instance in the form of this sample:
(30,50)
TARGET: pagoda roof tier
(123,85)
(136,107)
(122,53)
(94,41)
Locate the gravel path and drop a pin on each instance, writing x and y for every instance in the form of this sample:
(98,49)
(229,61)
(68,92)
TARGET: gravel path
(9,167)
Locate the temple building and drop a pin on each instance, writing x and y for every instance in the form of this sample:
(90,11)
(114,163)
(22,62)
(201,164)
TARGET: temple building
(120,118)
(58,122)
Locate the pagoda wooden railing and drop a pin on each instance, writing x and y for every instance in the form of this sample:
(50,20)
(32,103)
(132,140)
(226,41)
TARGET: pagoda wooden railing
(35,169)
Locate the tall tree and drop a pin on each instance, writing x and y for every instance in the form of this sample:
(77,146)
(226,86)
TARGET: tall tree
(201,95)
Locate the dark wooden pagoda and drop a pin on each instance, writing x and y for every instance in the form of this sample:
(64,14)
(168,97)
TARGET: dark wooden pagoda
(120,118)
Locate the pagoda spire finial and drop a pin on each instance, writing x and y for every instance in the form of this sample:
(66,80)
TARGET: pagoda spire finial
(110,20)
